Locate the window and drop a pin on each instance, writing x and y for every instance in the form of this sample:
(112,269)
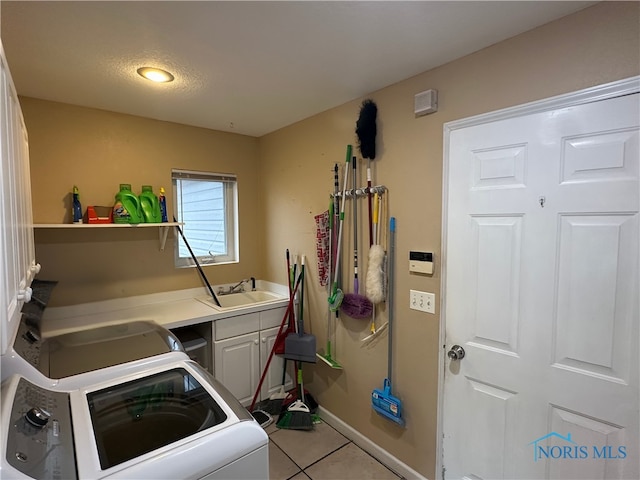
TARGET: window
(207,204)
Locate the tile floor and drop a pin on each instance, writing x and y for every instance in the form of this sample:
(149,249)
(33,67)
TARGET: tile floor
(320,454)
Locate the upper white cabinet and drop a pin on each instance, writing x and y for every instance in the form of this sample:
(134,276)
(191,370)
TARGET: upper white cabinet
(18,266)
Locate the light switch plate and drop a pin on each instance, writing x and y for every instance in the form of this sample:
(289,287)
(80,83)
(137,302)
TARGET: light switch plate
(422,301)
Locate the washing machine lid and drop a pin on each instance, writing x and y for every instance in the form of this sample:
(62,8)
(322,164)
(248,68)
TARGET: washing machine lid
(145,414)
(88,350)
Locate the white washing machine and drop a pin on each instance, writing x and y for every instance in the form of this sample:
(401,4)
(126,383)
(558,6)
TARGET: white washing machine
(172,421)
(120,401)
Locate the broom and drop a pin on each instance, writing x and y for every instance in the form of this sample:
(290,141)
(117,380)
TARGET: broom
(298,416)
(354,304)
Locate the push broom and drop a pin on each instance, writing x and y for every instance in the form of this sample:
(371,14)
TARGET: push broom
(382,400)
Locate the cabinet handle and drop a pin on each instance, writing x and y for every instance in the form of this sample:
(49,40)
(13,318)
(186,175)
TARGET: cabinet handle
(255,342)
(264,339)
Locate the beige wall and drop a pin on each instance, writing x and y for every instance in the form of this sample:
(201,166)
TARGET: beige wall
(287,177)
(98,150)
(595,46)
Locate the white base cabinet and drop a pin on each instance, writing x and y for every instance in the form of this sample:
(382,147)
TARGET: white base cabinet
(241,349)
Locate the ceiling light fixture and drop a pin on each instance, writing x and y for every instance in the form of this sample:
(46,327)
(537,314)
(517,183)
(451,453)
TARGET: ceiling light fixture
(155,74)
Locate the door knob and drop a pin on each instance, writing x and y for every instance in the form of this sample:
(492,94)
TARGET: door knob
(456,353)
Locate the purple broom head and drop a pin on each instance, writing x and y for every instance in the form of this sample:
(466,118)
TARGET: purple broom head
(366,129)
(356,306)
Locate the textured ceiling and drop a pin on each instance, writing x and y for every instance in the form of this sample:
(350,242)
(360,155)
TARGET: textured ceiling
(245,67)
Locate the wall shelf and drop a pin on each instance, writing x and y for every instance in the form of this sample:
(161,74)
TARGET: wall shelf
(163,227)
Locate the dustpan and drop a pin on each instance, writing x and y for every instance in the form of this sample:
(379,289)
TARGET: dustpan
(300,346)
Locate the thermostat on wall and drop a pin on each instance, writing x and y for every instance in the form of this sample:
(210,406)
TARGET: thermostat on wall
(425,102)
(421,262)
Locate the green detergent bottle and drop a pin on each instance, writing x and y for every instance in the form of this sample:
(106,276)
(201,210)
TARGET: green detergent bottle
(127,206)
(150,205)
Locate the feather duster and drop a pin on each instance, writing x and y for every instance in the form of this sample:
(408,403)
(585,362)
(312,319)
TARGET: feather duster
(375,274)
(366,129)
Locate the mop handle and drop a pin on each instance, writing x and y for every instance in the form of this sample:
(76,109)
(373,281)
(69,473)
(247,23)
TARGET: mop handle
(392,252)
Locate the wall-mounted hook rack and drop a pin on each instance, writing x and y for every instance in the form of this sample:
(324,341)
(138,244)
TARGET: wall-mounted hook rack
(362,192)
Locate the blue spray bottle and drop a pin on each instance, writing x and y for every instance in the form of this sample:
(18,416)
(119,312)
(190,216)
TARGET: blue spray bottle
(163,205)
(77,207)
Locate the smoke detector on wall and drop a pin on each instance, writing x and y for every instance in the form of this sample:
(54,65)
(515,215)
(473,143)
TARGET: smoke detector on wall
(425,102)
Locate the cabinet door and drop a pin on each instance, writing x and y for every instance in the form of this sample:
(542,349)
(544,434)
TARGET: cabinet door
(273,379)
(28,266)
(237,364)
(8,209)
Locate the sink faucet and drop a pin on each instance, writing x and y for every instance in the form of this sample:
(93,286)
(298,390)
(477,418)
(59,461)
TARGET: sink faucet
(239,286)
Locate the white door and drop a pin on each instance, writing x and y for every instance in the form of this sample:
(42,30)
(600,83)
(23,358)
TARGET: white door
(236,365)
(541,291)
(273,378)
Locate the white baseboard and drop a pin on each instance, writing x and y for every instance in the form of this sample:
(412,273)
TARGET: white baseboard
(368,446)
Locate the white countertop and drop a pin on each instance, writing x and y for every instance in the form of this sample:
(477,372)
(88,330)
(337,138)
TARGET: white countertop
(169,309)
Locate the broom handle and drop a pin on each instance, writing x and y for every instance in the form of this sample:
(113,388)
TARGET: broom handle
(336,221)
(290,282)
(344,191)
(301,311)
(371,235)
(355,229)
(204,277)
(330,275)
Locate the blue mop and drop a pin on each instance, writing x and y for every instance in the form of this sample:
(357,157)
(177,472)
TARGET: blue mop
(382,400)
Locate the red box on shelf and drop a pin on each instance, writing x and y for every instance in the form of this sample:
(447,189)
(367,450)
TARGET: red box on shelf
(97,214)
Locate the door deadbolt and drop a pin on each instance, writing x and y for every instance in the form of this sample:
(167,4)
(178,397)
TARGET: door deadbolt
(456,353)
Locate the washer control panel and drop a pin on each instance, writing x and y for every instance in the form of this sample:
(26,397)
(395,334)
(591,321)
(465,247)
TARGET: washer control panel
(40,439)
(28,344)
